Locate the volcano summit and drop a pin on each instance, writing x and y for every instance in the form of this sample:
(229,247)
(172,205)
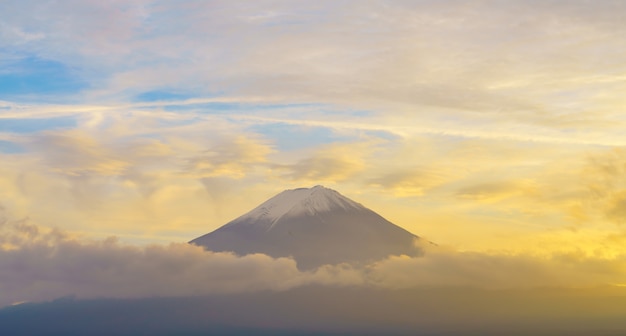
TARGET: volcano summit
(315,226)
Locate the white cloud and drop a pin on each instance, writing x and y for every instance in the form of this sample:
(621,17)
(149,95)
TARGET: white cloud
(518,91)
(39,264)
(513,68)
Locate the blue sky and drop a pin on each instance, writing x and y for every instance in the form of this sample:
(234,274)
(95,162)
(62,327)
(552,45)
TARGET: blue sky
(30,78)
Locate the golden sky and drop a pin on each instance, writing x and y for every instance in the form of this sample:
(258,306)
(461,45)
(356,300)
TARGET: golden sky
(479,124)
(491,127)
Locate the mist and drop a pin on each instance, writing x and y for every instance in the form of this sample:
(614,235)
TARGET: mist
(180,288)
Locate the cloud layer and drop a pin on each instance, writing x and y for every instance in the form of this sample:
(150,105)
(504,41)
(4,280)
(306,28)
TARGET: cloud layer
(39,265)
(43,265)
(493,127)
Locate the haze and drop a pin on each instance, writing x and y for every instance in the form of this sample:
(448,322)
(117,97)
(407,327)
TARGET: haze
(492,128)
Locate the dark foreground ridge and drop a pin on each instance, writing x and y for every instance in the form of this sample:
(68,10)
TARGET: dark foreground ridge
(315,226)
(332,311)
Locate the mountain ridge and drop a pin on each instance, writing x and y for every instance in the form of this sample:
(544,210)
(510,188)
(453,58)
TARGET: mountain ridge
(314,226)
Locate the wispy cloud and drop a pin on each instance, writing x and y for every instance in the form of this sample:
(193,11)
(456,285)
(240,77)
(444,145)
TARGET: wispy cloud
(454,119)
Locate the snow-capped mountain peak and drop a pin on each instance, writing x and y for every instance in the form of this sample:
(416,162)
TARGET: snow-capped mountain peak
(294,202)
(315,226)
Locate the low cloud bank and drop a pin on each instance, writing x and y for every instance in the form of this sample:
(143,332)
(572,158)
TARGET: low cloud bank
(38,264)
(444,267)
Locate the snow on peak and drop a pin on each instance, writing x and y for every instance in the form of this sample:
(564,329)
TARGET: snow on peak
(299,201)
(314,226)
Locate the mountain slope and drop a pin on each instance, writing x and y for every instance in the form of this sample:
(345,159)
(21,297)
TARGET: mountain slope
(315,226)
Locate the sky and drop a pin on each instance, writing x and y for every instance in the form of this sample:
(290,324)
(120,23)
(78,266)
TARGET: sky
(493,128)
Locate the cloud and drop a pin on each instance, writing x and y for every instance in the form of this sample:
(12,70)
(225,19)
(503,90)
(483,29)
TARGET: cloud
(493,108)
(229,157)
(38,264)
(441,267)
(160,177)
(498,190)
(328,163)
(427,64)
(75,153)
(603,176)
(409,182)
(617,208)
(135,185)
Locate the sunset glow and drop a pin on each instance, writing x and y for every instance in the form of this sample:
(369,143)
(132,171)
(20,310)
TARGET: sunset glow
(495,129)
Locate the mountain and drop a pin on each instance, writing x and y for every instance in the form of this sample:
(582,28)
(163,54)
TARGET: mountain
(315,226)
